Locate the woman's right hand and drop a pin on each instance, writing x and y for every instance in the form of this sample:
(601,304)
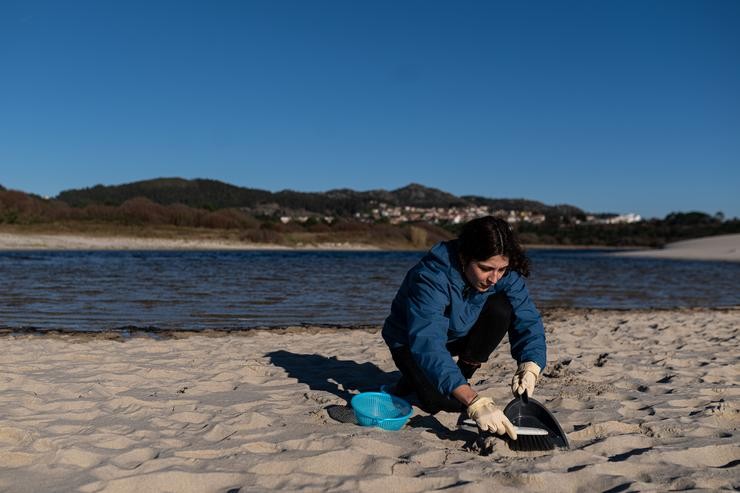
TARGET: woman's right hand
(488,417)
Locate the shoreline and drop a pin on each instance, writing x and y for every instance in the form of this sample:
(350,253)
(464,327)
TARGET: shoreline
(646,400)
(126,333)
(713,248)
(11,241)
(82,242)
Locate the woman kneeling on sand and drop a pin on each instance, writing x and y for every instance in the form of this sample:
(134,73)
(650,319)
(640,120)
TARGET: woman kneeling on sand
(460,300)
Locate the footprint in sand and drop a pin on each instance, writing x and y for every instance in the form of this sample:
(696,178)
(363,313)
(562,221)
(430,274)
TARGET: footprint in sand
(219,433)
(14,436)
(429,458)
(190,417)
(314,443)
(17,459)
(112,442)
(180,481)
(412,484)
(255,421)
(620,447)
(261,448)
(333,463)
(718,456)
(134,458)
(601,430)
(210,454)
(208,388)
(78,457)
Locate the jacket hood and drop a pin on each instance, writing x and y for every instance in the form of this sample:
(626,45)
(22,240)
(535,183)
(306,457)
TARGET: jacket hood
(445,254)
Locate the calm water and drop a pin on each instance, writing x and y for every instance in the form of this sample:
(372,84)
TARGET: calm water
(195,290)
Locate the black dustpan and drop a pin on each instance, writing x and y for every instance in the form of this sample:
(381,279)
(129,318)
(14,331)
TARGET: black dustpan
(526,412)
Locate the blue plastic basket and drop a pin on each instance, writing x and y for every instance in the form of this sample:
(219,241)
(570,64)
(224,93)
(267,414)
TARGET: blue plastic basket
(382,410)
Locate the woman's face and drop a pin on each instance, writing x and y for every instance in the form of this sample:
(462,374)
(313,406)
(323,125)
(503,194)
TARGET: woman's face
(482,274)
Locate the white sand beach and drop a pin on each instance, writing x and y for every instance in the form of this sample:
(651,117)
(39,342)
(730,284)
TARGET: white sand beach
(722,247)
(648,399)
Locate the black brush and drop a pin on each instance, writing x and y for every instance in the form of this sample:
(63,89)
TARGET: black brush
(531,443)
(532,436)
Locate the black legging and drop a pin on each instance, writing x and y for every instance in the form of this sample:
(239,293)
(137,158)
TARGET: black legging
(493,322)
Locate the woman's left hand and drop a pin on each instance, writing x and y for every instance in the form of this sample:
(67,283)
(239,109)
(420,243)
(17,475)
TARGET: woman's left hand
(525,378)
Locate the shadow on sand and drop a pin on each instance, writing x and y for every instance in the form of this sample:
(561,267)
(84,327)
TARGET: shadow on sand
(340,377)
(344,378)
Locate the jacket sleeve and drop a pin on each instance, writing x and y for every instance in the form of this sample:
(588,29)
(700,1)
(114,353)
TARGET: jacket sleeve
(527,336)
(427,326)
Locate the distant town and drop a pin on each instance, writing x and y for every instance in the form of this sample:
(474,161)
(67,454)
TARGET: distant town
(411,217)
(395,214)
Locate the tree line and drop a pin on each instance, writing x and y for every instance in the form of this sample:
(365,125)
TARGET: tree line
(19,208)
(215,195)
(652,233)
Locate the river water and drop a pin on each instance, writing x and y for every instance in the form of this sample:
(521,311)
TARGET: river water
(103,290)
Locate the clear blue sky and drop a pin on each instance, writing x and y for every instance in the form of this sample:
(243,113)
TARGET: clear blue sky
(612,106)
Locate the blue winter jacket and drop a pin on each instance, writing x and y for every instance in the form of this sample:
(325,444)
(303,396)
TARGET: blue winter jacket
(435,306)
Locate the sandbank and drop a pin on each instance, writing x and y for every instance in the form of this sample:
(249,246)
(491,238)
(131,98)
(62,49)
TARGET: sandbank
(718,248)
(36,241)
(648,399)
(722,248)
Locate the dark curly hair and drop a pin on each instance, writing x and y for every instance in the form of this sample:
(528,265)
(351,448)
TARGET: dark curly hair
(488,236)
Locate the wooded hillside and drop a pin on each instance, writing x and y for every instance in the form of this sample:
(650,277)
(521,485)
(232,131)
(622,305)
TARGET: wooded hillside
(189,206)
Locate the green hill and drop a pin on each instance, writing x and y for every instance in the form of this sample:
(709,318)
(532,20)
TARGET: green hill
(200,193)
(214,195)
(187,208)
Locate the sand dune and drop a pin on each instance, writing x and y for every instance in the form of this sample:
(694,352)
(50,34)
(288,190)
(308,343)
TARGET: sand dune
(648,399)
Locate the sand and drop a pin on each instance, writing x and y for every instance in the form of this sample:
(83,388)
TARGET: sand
(649,400)
(722,247)
(38,241)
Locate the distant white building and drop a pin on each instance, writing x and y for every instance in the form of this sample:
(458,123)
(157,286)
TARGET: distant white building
(624,218)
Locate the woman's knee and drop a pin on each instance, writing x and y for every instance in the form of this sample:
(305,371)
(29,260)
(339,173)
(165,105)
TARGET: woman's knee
(488,331)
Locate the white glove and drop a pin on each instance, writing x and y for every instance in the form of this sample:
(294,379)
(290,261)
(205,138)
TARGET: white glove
(525,378)
(490,418)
